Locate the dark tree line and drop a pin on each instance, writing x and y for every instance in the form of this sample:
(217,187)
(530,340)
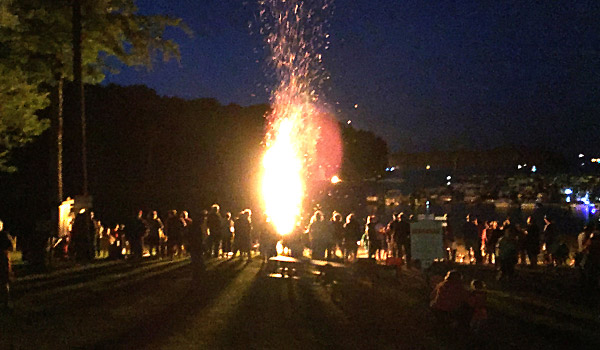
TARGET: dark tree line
(365,154)
(148,151)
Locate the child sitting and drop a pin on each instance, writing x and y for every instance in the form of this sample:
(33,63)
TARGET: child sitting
(477,301)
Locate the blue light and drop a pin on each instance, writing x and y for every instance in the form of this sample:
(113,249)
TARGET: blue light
(594,210)
(568,199)
(568,191)
(586,199)
(533,169)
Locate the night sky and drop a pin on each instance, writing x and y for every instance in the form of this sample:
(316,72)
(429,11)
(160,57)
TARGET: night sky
(425,74)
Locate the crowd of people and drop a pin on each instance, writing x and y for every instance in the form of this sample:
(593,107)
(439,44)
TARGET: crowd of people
(212,233)
(508,244)
(337,238)
(217,234)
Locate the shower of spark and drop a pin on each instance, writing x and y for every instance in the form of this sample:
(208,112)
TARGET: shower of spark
(302,141)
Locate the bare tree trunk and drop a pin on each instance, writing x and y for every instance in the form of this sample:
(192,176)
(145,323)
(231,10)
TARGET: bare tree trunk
(79,94)
(59,142)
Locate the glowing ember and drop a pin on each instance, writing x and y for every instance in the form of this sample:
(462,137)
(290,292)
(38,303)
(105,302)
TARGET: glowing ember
(303,143)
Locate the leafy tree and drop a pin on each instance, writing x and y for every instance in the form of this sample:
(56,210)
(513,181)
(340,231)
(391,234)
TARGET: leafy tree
(19,102)
(36,36)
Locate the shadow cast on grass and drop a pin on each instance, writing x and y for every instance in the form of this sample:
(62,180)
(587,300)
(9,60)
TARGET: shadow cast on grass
(173,316)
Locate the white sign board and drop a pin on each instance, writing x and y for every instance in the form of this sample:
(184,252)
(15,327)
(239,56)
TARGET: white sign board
(426,241)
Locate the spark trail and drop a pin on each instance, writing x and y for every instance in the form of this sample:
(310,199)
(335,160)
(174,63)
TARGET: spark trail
(302,142)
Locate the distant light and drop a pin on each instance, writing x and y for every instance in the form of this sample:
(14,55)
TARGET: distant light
(428,167)
(533,169)
(568,199)
(356,106)
(519,166)
(586,198)
(448,183)
(392,168)
(582,164)
(335,179)
(349,122)
(594,210)
(448,177)
(524,165)
(581,155)
(568,191)
(388,169)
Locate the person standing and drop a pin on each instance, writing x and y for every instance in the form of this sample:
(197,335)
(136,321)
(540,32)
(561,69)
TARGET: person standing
(352,234)
(115,249)
(336,235)
(215,230)
(196,249)
(317,230)
(204,229)
(472,238)
(531,241)
(82,237)
(6,245)
(98,233)
(591,266)
(550,239)
(507,254)
(227,237)
(268,240)
(174,230)
(185,232)
(391,228)
(449,242)
(155,228)
(243,234)
(374,236)
(402,237)
(136,232)
(492,235)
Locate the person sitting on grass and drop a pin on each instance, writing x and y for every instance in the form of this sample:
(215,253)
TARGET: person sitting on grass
(477,302)
(449,301)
